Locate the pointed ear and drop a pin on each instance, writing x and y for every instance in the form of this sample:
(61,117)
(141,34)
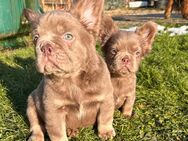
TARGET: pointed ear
(147,33)
(89,13)
(30,15)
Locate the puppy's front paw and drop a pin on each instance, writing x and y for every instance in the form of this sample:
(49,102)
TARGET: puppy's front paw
(128,114)
(107,133)
(72,132)
(36,137)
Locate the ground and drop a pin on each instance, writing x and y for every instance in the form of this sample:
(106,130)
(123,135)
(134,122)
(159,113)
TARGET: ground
(134,17)
(161,112)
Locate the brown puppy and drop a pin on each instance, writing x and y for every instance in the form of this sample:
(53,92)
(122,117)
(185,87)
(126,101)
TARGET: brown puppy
(76,90)
(123,53)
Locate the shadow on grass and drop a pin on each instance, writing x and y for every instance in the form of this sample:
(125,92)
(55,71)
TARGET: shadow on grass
(14,42)
(19,82)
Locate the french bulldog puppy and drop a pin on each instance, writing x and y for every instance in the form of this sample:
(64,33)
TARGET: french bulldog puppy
(123,53)
(76,89)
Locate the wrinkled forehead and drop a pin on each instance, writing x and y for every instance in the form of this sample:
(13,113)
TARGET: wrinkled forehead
(57,21)
(129,41)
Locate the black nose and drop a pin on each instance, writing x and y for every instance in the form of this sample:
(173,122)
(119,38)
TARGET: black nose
(46,48)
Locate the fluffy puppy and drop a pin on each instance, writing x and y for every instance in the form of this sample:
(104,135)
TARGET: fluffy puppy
(76,90)
(123,53)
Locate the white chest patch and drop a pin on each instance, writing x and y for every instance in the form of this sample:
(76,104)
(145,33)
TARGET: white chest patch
(81,112)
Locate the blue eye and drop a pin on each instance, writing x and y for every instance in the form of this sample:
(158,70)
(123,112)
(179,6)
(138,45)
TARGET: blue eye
(68,36)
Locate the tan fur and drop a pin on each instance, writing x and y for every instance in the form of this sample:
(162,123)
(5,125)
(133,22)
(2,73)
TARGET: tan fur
(123,53)
(80,12)
(76,90)
(105,28)
(169,8)
(184,8)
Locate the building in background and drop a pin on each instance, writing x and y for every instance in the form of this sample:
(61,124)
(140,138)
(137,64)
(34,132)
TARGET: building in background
(56,4)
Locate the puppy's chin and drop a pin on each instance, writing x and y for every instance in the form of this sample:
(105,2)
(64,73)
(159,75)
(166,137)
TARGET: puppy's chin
(125,72)
(122,71)
(45,69)
(51,70)
(48,66)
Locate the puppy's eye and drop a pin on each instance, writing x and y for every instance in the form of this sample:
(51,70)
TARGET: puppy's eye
(138,53)
(113,51)
(35,38)
(68,36)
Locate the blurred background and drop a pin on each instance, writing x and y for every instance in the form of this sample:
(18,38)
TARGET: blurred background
(125,13)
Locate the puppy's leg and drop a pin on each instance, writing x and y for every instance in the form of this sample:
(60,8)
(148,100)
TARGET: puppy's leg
(55,124)
(72,132)
(105,118)
(169,9)
(127,108)
(35,126)
(184,9)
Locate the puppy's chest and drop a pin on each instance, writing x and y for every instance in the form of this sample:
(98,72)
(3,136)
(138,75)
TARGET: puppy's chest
(75,101)
(123,86)
(79,95)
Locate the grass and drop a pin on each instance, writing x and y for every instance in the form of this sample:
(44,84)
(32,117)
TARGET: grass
(16,41)
(162,95)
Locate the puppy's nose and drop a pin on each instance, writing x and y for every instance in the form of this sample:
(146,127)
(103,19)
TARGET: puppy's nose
(46,48)
(125,60)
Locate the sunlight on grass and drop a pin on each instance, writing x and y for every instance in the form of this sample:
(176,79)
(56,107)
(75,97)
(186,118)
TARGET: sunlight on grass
(162,95)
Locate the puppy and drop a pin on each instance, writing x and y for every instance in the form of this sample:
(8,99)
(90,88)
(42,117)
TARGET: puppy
(123,53)
(76,90)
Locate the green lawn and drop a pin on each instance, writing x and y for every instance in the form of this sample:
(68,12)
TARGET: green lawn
(162,95)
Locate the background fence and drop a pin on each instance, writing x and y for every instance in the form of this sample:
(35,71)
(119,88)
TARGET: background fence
(109,4)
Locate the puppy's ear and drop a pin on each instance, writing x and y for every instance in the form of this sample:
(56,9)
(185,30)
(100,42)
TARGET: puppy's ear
(89,13)
(30,15)
(147,33)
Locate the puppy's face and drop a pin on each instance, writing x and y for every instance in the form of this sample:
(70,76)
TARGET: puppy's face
(124,50)
(63,40)
(59,47)
(124,53)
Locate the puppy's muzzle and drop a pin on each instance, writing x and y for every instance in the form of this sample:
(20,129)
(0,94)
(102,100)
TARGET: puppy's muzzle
(125,60)
(46,48)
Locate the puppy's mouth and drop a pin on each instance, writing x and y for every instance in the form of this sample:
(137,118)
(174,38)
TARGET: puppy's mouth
(120,69)
(50,60)
(47,65)
(125,70)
